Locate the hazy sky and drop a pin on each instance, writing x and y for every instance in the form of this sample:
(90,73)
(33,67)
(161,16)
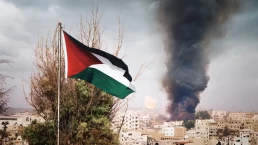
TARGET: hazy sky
(233,70)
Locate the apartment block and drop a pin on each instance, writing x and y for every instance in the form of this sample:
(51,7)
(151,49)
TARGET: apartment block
(130,120)
(230,124)
(133,138)
(239,115)
(218,115)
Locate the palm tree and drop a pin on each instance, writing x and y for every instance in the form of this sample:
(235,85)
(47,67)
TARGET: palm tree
(5,125)
(3,132)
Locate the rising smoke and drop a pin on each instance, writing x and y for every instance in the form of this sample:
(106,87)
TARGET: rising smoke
(189,26)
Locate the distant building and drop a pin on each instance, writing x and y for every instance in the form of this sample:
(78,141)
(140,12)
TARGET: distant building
(218,115)
(146,113)
(206,129)
(230,124)
(23,119)
(132,138)
(245,140)
(130,120)
(175,123)
(190,134)
(212,127)
(176,131)
(239,115)
(249,123)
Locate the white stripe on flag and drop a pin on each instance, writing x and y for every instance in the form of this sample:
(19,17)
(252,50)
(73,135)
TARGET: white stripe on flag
(115,73)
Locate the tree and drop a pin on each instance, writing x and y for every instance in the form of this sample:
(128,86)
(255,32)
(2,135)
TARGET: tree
(226,131)
(202,115)
(220,133)
(3,132)
(189,124)
(85,111)
(40,133)
(4,92)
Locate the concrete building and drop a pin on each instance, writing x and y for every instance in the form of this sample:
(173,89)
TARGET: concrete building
(242,140)
(174,123)
(254,137)
(147,113)
(249,123)
(230,124)
(204,128)
(145,118)
(130,120)
(23,119)
(175,131)
(158,126)
(190,134)
(239,115)
(132,138)
(218,115)
(212,127)
(255,116)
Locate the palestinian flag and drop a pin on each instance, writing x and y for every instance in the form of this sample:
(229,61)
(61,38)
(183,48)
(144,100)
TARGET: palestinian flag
(97,67)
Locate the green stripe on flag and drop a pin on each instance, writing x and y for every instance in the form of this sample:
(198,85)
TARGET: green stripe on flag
(104,82)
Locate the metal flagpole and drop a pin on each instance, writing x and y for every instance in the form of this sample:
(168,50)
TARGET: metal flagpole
(59,81)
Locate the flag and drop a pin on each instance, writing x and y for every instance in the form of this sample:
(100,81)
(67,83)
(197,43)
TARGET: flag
(103,70)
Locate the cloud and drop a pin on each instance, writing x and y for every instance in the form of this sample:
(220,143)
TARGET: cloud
(232,71)
(29,20)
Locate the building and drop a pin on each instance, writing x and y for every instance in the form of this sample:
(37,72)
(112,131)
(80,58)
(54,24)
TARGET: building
(212,129)
(206,129)
(239,115)
(255,116)
(23,119)
(133,138)
(249,123)
(254,136)
(175,131)
(218,115)
(230,124)
(171,123)
(12,121)
(147,113)
(245,140)
(145,118)
(130,120)
(174,123)
(190,134)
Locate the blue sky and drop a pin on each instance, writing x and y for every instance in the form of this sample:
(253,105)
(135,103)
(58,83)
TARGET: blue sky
(233,71)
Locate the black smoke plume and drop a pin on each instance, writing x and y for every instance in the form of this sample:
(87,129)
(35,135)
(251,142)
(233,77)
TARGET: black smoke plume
(189,26)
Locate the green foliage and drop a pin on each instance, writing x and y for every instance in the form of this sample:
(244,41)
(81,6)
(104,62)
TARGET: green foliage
(202,115)
(84,119)
(189,124)
(88,116)
(40,134)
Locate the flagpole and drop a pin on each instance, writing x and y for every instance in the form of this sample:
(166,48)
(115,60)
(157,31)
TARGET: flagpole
(59,82)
